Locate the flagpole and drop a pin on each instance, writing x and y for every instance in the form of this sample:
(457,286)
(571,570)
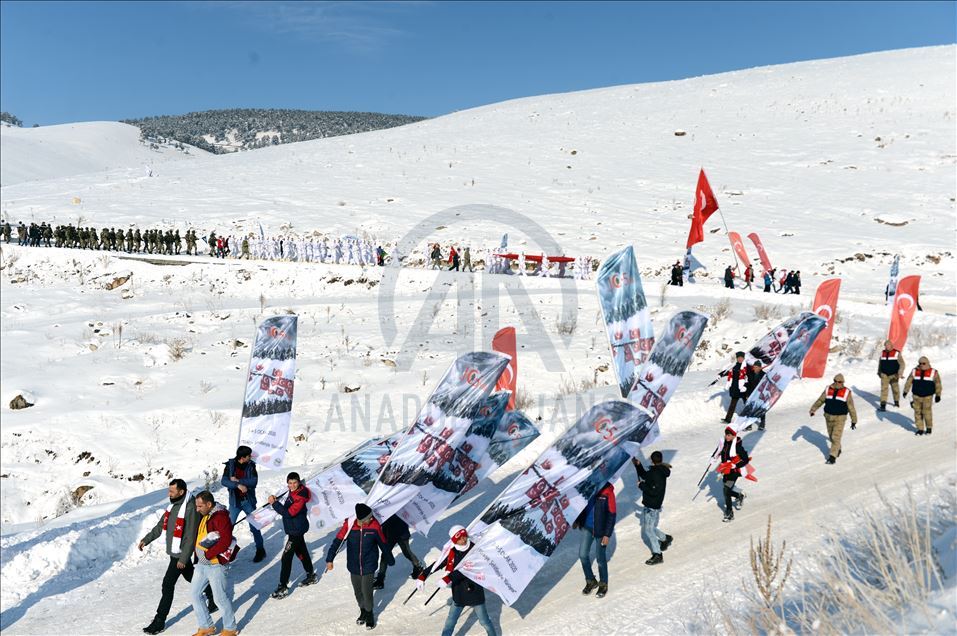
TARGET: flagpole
(727,232)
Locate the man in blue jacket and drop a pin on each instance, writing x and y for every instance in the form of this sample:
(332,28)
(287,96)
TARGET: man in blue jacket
(597,521)
(364,541)
(240,478)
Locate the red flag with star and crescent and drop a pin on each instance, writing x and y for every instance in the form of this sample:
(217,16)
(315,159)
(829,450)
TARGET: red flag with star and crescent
(825,306)
(902,312)
(704,206)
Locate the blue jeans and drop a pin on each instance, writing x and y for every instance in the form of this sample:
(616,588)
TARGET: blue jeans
(215,576)
(481,612)
(649,529)
(584,553)
(247,506)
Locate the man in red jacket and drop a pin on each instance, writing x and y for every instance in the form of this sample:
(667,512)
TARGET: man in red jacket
(215,548)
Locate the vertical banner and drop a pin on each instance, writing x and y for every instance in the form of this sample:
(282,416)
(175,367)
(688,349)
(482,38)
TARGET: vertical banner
(521,529)
(768,348)
(825,306)
(504,342)
(267,407)
(430,448)
(902,311)
(704,206)
(765,261)
(627,320)
(669,359)
(779,373)
(892,283)
(739,250)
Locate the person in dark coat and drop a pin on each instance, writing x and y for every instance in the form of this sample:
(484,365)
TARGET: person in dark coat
(240,479)
(364,542)
(396,532)
(295,522)
(652,482)
(755,375)
(597,521)
(733,457)
(737,384)
(465,591)
(796,282)
(729,277)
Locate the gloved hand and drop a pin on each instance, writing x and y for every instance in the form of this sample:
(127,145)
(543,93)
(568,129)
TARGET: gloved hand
(904,394)
(936,398)
(853,426)
(420,584)
(812,413)
(446,581)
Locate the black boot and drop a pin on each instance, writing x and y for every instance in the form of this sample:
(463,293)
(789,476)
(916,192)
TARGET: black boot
(370,620)
(590,586)
(830,459)
(155,627)
(655,559)
(310,579)
(728,516)
(897,403)
(602,590)
(928,431)
(260,555)
(362,617)
(416,571)
(281,592)
(918,432)
(379,582)
(883,406)
(666,543)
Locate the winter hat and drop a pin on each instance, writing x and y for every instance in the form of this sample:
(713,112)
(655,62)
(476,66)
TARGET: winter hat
(739,354)
(839,378)
(729,431)
(457,533)
(363,511)
(243,451)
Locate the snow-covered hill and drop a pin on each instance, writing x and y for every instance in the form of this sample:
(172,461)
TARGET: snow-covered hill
(144,382)
(66,150)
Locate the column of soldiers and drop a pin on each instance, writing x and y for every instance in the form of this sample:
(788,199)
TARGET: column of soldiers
(107,239)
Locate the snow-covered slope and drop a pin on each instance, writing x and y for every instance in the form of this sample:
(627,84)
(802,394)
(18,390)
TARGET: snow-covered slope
(52,152)
(144,382)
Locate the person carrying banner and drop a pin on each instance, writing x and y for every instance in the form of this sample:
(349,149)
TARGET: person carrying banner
(396,532)
(295,523)
(737,384)
(733,458)
(838,402)
(926,384)
(465,591)
(652,482)
(597,521)
(364,542)
(240,479)
(178,524)
(755,374)
(215,549)
(888,370)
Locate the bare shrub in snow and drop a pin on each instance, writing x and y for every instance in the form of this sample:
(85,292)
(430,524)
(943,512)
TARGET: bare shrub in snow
(664,293)
(718,311)
(770,573)
(854,346)
(566,325)
(523,399)
(178,347)
(217,419)
(768,312)
(205,387)
(926,336)
(147,338)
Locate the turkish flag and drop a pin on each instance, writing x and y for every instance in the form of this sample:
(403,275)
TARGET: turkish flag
(504,342)
(765,261)
(738,248)
(704,206)
(902,312)
(825,306)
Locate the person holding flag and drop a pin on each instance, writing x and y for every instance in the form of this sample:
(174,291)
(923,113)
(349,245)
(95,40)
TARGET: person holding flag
(597,521)
(733,458)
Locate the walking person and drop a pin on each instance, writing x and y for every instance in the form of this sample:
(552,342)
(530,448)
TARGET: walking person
(926,384)
(240,479)
(295,523)
(215,550)
(178,525)
(597,523)
(768,281)
(889,370)
(737,384)
(396,532)
(729,277)
(838,402)
(453,259)
(755,375)
(465,591)
(652,482)
(364,542)
(748,276)
(733,458)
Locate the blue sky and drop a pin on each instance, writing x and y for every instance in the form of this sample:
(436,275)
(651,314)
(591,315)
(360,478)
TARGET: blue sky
(80,61)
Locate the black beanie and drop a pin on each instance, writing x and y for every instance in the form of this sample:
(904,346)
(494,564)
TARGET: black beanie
(362,511)
(739,354)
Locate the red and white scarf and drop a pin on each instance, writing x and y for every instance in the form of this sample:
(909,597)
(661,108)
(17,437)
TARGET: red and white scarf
(174,547)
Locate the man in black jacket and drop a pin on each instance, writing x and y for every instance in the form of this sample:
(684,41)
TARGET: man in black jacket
(755,375)
(652,482)
(733,457)
(295,522)
(737,384)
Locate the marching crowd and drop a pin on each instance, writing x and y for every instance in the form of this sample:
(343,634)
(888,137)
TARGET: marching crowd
(200,544)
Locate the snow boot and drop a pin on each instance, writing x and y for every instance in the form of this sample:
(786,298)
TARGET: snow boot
(928,431)
(761,426)
(260,555)
(379,582)
(281,592)
(602,590)
(206,631)
(897,403)
(728,516)
(155,627)
(362,618)
(655,559)
(370,620)
(883,407)
(590,586)
(666,543)
(830,459)
(739,501)
(309,580)
(918,432)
